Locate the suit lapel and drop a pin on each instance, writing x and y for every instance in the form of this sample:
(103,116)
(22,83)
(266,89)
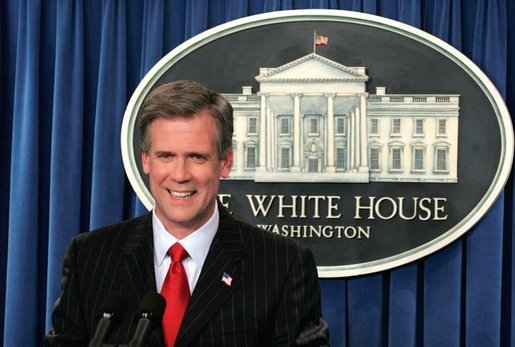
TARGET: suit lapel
(138,261)
(138,266)
(211,292)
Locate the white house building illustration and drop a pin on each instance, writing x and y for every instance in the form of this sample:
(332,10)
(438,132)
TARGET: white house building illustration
(314,121)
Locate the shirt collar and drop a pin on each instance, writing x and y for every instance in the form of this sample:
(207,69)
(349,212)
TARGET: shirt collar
(197,243)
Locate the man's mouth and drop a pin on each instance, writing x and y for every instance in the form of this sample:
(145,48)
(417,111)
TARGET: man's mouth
(181,195)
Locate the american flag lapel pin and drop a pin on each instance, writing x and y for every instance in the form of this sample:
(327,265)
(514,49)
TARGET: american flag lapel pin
(226,279)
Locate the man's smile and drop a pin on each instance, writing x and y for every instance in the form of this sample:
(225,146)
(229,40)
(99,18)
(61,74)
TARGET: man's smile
(181,195)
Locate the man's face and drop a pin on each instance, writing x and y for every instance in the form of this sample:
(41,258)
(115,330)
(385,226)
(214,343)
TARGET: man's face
(184,171)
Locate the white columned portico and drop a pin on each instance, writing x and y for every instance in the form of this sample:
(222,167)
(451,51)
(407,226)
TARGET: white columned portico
(262,134)
(330,154)
(297,149)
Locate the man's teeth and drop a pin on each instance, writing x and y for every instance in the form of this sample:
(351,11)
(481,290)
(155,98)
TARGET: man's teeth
(181,195)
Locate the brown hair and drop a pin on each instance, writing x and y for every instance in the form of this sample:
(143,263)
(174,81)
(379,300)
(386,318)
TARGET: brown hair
(184,99)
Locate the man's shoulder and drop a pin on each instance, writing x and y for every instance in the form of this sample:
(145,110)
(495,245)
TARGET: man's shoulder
(256,237)
(115,230)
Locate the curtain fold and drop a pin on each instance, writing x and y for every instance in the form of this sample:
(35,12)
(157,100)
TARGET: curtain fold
(403,304)
(196,17)
(276,5)
(8,45)
(334,298)
(150,51)
(108,178)
(364,305)
(67,140)
(483,280)
(24,212)
(485,242)
(236,9)
(68,70)
(442,310)
(443,20)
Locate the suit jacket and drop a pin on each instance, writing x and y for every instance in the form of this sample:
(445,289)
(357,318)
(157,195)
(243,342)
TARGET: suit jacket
(273,299)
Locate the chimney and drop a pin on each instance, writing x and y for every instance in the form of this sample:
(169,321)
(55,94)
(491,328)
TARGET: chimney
(381,90)
(263,70)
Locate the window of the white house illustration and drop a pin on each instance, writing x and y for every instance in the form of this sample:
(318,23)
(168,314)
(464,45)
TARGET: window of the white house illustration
(396,126)
(312,165)
(374,126)
(374,162)
(252,126)
(250,157)
(341,158)
(313,126)
(284,158)
(418,159)
(340,125)
(396,159)
(284,125)
(419,127)
(441,129)
(441,159)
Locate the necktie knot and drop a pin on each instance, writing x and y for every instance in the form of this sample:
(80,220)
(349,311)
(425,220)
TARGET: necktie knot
(177,253)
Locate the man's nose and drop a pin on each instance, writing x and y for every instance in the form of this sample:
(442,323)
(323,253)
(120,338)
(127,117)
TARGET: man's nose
(180,170)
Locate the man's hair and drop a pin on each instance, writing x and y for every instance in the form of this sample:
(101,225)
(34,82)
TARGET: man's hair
(183,99)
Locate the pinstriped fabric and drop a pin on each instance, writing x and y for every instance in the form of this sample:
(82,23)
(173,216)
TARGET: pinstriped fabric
(116,258)
(273,298)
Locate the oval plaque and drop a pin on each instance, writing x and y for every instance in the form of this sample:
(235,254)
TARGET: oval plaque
(370,141)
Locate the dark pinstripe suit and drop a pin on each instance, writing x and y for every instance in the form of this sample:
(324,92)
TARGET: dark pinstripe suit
(273,300)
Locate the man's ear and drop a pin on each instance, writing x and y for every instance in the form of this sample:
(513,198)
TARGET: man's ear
(226,164)
(145,158)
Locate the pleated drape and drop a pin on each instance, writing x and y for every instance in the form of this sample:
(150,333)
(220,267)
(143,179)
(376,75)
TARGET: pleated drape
(67,71)
(67,123)
(27,190)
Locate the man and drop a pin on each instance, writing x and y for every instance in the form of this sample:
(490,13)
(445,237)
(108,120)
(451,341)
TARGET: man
(248,287)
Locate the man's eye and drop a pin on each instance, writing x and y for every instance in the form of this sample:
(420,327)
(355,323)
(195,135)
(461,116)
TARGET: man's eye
(198,158)
(164,155)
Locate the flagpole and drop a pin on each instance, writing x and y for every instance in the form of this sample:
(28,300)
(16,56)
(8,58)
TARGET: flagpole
(314,44)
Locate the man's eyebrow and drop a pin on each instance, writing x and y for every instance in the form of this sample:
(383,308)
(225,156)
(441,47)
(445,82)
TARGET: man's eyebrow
(197,153)
(163,152)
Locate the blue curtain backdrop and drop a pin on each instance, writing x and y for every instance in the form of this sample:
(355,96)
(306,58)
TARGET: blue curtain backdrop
(67,71)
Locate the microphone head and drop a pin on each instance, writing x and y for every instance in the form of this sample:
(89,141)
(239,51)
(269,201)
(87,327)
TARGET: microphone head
(152,306)
(114,305)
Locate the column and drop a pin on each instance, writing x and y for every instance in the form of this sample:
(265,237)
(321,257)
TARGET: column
(352,135)
(240,160)
(348,128)
(269,140)
(297,150)
(273,135)
(364,137)
(357,139)
(330,151)
(262,134)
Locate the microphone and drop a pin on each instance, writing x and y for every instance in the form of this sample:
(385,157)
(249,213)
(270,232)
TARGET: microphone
(111,312)
(150,313)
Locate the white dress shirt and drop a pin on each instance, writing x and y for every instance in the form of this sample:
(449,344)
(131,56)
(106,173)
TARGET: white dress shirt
(196,244)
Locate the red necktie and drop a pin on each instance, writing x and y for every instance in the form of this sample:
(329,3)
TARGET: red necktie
(176,291)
